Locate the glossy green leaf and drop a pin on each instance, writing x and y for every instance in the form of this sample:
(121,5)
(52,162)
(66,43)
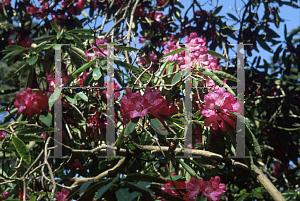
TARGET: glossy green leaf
(26,78)
(233,17)
(47,120)
(14,70)
(170,69)
(217,10)
(71,99)
(55,26)
(97,73)
(34,130)
(12,54)
(44,39)
(122,194)
(103,189)
(84,186)
(127,66)
(81,31)
(175,51)
(176,78)
(158,126)
(224,75)
(32,60)
(31,137)
(215,54)
(129,128)
(144,177)
(276,55)
(264,45)
(51,101)
(79,71)
(82,96)
(14,47)
(126,48)
(22,150)
(253,140)
(187,168)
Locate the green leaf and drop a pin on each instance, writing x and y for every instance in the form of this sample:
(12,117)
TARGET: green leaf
(22,150)
(76,40)
(34,195)
(253,140)
(88,78)
(122,194)
(272,33)
(217,10)
(232,16)
(215,54)
(285,32)
(170,69)
(159,72)
(14,70)
(97,73)
(158,126)
(126,48)
(87,31)
(264,45)
(31,137)
(241,118)
(78,53)
(175,177)
(32,60)
(57,93)
(84,186)
(12,54)
(14,47)
(224,75)
(47,120)
(175,51)
(26,78)
(127,66)
(176,78)
(34,130)
(71,99)
(55,26)
(188,168)
(141,187)
(59,34)
(80,70)
(144,177)
(129,128)
(44,39)
(276,55)
(82,96)
(51,101)
(103,189)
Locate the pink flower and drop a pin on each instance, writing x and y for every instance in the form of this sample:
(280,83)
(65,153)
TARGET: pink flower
(44,135)
(110,89)
(80,4)
(158,16)
(61,196)
(6,2)
(32,10)
(51,81)
(173,192)
(217,104)
(26,42)
(76,164)
(31,103)
(142,40)
(276,168)
(213,189)
(81,80)
(133,105)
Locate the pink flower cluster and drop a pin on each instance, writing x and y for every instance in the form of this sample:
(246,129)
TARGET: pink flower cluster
(135,105)
(61,196)
(198,52)
(4,196)
(217,105)
(51,81)
(213,189)
(31,103)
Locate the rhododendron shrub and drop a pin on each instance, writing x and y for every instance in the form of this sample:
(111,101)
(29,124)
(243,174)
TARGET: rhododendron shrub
(150,99)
